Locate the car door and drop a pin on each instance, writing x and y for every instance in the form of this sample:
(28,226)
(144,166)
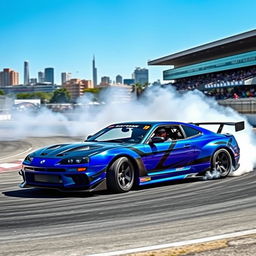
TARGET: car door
(169,157)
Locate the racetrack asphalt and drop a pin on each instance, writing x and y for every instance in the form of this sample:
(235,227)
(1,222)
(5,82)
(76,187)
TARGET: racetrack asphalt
(39,222)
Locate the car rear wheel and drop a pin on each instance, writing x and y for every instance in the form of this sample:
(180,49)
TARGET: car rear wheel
(221,165)
(120,176)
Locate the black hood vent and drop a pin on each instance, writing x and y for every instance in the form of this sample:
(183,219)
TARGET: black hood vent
(48,150)
(78,149)
(57,146)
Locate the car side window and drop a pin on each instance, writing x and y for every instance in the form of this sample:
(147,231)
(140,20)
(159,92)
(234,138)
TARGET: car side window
(170,133)
(190,132)
(175,133)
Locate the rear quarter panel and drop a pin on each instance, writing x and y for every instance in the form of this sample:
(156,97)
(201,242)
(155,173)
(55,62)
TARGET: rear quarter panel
(207,145)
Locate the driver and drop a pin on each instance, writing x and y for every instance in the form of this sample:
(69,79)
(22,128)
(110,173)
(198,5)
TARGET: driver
(161,132)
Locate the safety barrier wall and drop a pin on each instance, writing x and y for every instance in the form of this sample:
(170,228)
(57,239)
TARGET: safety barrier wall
(245,106)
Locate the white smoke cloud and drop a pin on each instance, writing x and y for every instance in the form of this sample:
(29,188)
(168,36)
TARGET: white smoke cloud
(157,104)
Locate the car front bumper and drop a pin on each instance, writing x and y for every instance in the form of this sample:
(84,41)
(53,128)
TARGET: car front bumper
(62,179)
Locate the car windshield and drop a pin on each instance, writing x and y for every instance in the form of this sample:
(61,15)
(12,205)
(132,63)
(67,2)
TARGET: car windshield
(122,133)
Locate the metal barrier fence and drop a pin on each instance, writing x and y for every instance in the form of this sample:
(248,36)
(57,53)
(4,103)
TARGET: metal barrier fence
(245,106)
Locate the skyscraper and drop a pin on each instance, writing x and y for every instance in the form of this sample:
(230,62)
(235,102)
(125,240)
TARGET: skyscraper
(105,81)
(141,75)
(119,79)
(65,76)
(94,72)
(49,75)
(40,77)
(26,73)
(9,77)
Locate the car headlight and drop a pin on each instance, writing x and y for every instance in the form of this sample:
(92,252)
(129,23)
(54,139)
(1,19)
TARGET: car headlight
(29,158)
(75,160)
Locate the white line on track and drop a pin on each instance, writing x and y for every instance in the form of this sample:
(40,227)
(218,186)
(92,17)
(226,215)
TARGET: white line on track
(27,150)
(9,165)
(176,244)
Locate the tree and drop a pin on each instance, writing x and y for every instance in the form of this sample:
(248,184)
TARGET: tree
(1,92)
(60,96)
(139,88)
(24,95)
(43,96)
(92,90)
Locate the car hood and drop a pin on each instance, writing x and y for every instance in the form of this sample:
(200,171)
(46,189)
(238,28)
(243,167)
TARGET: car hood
(74,149)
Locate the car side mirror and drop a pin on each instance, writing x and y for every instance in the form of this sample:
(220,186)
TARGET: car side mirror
(156,140)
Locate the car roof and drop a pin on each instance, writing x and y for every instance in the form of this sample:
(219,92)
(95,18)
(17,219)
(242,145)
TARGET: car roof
(156,123)
(159,123)
(153,122)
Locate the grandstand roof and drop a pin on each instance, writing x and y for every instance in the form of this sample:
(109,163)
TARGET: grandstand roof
(236,44)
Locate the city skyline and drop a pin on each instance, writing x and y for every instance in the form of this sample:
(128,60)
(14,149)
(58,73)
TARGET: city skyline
(120,35)
(49,76)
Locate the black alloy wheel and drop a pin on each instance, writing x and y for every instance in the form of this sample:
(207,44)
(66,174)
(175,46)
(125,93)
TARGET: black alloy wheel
(221,165)
(120,176)
(222,162)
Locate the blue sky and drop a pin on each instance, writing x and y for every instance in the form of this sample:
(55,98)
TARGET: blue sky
(123,34)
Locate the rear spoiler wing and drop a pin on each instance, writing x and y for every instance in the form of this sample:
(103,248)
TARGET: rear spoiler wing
(239,126)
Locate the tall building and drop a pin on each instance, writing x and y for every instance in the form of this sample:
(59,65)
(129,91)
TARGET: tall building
(94,73)
(49,75)
(65,76)
(119,79)
(40,77)
(76,87)
(26,73)
(9,77)
(32,81)
(105,81)
(141,75)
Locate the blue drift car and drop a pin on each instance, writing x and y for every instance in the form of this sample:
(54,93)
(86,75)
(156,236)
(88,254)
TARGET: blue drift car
(124,155)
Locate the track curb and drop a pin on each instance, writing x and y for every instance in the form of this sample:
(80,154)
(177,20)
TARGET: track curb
(178,244)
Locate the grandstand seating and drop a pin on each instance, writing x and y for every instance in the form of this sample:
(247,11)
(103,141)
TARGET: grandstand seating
(214,84)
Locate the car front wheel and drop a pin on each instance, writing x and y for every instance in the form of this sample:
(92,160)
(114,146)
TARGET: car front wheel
(120,176)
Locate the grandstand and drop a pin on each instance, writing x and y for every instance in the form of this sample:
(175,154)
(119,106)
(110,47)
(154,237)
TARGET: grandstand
(224,68)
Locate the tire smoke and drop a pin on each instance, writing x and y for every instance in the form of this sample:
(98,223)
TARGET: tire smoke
(163,104)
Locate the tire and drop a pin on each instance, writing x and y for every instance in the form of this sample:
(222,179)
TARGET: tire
(221,165)
(120,176)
